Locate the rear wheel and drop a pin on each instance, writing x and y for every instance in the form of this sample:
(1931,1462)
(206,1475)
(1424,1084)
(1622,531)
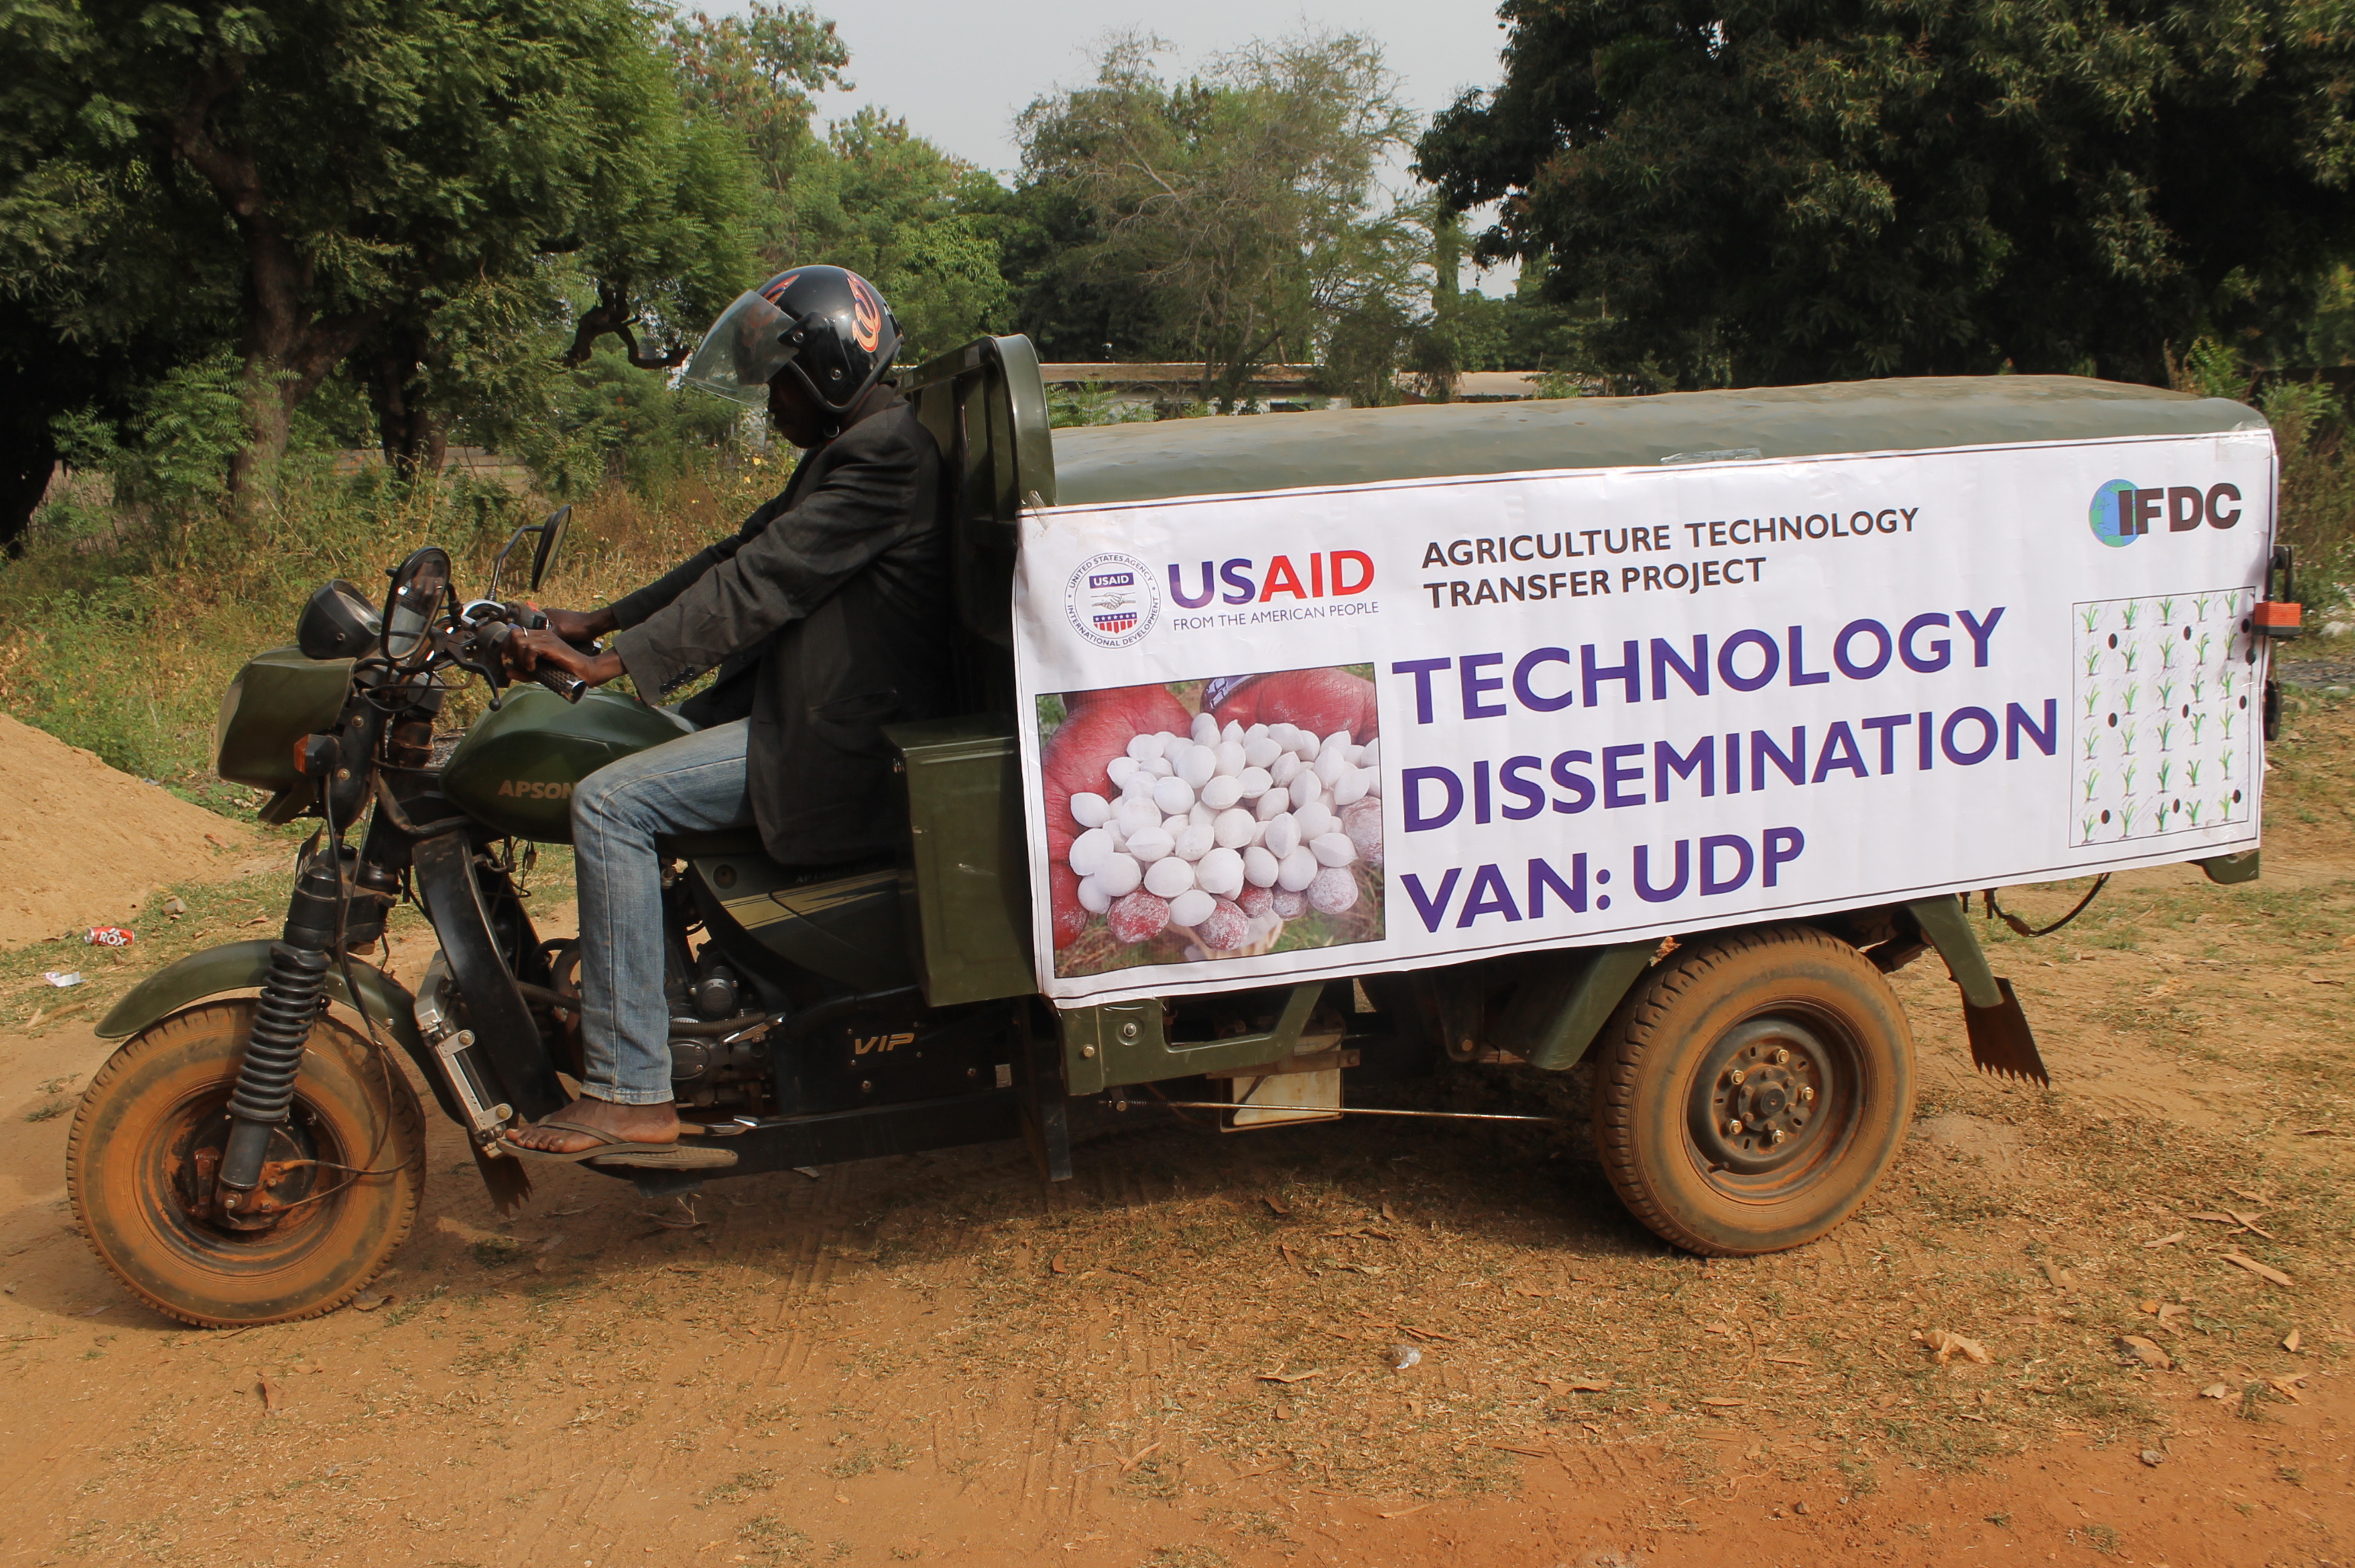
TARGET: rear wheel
(1752,1090)
(341,1181)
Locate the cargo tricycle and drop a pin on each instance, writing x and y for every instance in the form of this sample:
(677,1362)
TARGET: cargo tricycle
(1306,761)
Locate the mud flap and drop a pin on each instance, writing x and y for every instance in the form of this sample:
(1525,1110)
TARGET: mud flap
(509,1183)
(2002,1042)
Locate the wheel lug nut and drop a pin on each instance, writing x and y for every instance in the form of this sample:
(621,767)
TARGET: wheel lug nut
(1778,1136)
(1738,1076)
(1781,1056)
(1733,1128)
(1806,1093)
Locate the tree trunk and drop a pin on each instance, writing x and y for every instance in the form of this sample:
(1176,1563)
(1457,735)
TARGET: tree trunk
(406,428)
(30,457)
(288,349)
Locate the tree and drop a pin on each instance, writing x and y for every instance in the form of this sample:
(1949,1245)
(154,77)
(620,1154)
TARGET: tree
(869,195)
(1770,191)
(1244,200)
(338,170)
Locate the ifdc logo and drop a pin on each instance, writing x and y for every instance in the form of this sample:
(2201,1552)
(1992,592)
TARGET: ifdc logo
(2121,513)
(1112,599)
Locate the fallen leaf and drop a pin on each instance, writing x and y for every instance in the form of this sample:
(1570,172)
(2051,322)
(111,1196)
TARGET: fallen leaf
(2213,1219)
(1388,1215)
(2248,1221)
(2153,1457)
(1947,1346)
(370,1300)
(1055,1264)
(2288,1387)
(268,1394)
(1533,1453)
(1403,1512)
(2136,1347)
(1724,1403)
(1274,1208)
(2163,1242)
(2293,1342)
(1790,1361)
(1289,1377)
(2215,1390)
(1585,1385)
(2057,1275)
(1134,1460)
(2168,1312)
(2272,1275)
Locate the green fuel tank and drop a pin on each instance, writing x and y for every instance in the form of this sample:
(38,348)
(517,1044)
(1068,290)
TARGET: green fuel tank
(516,768)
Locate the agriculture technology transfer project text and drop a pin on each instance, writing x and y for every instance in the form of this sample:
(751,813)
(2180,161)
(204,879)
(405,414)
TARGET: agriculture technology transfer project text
(1334,731)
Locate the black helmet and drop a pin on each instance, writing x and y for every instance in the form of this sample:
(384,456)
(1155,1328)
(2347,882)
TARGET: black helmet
(827,325)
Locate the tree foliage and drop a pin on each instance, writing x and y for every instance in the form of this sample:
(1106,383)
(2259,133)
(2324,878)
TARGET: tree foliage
(1787,190)
(309,183)
(1240,208)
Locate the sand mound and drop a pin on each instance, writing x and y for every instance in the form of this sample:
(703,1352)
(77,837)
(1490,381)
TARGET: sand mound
(81,845)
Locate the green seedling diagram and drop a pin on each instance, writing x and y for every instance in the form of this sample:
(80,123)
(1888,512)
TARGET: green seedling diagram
(2165,713)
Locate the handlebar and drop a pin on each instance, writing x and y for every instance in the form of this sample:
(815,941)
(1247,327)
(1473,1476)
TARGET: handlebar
(501,622)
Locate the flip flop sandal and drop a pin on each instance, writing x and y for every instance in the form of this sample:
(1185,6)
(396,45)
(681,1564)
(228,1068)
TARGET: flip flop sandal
(665,1157)
(604,1144)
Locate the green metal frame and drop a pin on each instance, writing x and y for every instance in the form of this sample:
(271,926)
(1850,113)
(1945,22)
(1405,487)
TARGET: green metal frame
(1948,926)
(1555,1015)
(2232,870)
(1116,1043)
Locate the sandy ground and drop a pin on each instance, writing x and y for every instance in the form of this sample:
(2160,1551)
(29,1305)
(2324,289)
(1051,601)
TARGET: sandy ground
(82,844)
(1187,1358)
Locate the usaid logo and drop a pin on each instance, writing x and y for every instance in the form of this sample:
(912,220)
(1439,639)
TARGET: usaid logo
(2122,513)
(1112,599)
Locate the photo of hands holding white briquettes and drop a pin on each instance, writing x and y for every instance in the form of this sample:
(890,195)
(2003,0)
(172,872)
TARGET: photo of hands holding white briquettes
(1217,818)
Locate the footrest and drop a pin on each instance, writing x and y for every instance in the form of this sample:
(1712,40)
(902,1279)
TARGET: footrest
(668,1156)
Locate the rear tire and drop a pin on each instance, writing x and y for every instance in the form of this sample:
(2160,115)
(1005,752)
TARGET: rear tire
(1729,1167)
(136,1164)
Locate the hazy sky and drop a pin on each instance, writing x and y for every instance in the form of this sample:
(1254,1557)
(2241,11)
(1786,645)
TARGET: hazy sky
(959,71)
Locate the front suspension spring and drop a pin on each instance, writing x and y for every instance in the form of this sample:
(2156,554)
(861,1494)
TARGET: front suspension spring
(273,1056)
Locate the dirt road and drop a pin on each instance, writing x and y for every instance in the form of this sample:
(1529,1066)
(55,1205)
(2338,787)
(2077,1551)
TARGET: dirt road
(1188,1356)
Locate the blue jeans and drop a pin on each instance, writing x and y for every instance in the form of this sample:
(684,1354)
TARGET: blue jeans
(692,784)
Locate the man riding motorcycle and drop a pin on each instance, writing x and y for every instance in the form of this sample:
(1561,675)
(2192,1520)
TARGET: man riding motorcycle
(826,615)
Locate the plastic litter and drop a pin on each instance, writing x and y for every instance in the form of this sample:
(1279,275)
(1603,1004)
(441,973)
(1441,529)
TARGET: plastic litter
(1404,1356)
(110,936)
(63,979)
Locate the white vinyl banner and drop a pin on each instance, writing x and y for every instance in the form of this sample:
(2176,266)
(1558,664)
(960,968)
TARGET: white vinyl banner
(1331,731)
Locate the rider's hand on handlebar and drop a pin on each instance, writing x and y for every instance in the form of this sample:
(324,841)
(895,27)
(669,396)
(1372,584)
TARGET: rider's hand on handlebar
(527,651)
(582,626)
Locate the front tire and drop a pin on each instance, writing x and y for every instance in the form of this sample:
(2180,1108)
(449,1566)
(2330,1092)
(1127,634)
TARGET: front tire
(1752,1090)
(152,1124)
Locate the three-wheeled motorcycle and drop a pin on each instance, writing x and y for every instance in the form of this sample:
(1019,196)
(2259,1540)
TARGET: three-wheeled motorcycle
(254,1151)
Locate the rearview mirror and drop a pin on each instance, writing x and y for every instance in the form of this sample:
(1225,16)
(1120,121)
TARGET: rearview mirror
(419,586)
(546,533)
(552,534)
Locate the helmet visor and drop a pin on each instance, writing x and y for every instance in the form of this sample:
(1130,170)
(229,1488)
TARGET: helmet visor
(744,349)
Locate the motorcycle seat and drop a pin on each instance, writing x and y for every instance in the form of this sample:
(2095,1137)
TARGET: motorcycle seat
(744,840)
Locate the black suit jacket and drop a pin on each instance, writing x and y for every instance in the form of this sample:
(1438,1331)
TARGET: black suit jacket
(828,615)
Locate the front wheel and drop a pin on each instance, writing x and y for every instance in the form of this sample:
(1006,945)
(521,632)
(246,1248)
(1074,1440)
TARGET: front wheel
(1752,1089)
(341,1181)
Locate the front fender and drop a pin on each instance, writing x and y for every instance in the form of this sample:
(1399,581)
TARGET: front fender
(243,967)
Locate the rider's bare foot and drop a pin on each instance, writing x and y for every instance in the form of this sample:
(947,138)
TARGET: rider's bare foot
(631,1124)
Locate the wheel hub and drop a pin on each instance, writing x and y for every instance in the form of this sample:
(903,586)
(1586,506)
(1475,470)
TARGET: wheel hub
(1759,1095)
(288,1176)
